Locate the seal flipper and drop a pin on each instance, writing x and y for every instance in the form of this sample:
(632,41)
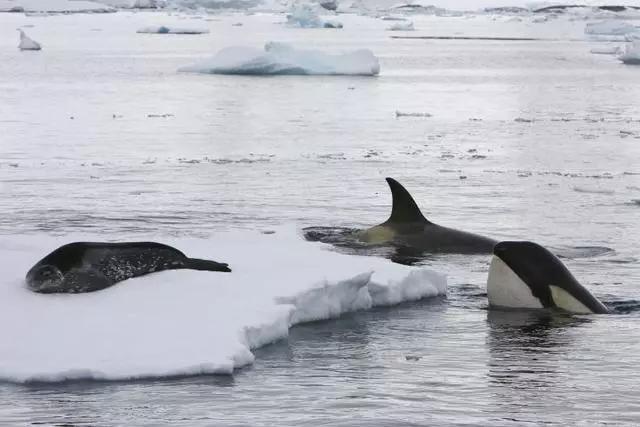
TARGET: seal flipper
(205,265)
(404,208)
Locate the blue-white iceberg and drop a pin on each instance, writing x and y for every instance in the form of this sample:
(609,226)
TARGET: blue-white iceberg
(284,59)
(631,53)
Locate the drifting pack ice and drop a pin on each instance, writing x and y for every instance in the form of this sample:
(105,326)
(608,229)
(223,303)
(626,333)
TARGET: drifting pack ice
(401,26)
(26,43)
(610,29)
(284,59)
(631,54)
(163,29)
(307,16)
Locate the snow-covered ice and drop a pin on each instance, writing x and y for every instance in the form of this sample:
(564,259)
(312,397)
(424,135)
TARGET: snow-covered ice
(134,4)
(606,50)
(401,26)
(282,58)
(27,43)
(164,29)
(631,53)
(305,15)
(412,114)
(610,29)
(54,6)
(188,322)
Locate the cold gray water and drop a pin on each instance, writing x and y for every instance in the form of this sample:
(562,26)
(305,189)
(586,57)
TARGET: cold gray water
(535,140)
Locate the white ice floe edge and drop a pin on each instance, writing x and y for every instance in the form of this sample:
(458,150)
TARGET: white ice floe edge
(152,326)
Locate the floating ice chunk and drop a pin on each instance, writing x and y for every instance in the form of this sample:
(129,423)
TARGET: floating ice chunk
(134,4)
(26,43)
(401,26)
(331,5)
(308,16)
(284,59)
(606,50)
(410,114)
(331,24)
(610,28)
(54,6)
(393,18)
(590,190)
(163,29)
(185,322)
(630,37)
(631,53)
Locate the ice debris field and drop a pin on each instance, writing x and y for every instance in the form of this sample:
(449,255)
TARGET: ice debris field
(188,322)
(282,58)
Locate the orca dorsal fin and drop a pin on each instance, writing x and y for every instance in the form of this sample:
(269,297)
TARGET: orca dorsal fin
(404,208)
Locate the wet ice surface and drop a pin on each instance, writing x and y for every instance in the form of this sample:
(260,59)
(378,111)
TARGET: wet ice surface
(535,140)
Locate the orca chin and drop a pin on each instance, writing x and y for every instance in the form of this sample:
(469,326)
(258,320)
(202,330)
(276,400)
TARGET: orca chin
(525,275)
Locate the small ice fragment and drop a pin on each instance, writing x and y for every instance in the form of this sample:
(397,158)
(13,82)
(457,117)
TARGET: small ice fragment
(402,114)
(609,28)
(26,43)
(308,16)
(606,50)
(401,26)
(331,5)
(631,55)
(163,29)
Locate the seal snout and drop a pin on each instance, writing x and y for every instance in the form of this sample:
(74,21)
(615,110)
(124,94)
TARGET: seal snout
(44,278)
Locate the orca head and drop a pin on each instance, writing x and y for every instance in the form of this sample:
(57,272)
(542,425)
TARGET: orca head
(527,275)
(44,278)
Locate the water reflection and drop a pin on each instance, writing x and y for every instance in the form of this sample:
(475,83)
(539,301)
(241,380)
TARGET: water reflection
(526,354)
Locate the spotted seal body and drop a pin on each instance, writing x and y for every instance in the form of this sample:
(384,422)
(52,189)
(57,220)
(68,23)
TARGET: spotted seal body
(90,266)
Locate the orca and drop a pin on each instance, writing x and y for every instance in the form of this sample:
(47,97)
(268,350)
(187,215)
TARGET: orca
(525,275)
(91,266)
(407,227)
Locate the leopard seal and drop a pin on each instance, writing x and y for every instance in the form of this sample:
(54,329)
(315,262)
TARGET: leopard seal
(91,266)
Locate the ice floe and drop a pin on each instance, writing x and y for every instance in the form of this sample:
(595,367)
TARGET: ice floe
(610,29)
(163,29)
(134,4)
(606,50)
(401,26)
(305,15)
(54,6)
(187,322)
(631,53)
(26,43)
(284,59)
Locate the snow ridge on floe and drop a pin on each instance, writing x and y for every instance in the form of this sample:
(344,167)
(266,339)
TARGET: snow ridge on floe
(188,322)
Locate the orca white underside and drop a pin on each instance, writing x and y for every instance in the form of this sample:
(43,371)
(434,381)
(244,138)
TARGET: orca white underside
(506,289)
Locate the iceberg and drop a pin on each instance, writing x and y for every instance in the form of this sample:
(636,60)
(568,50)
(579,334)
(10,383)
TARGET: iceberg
(610,29)
(134,4)
(606,50)
(26,43)
(185,322)
(283,59)
(307,16)
(401,26)
(54,6)
(631,55)
(163,29)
